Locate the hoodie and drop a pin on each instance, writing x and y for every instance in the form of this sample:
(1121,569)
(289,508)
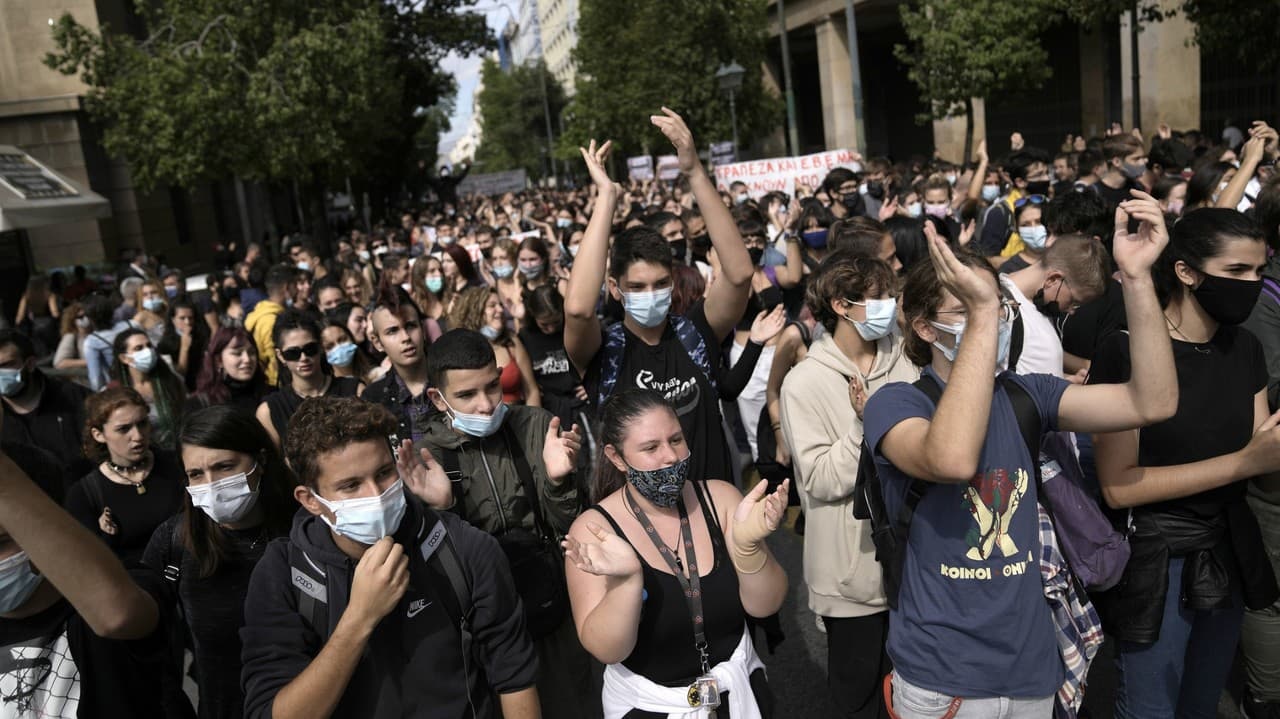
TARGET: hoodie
(825,437)
(413,664)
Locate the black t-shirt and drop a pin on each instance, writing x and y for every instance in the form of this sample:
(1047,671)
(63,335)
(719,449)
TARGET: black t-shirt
(1013,264)
(1083,330)
(136,515)
(53,665)
(1113,197)
(554,373)
(284,402)
(213,607)
(667,368)
(1217,382)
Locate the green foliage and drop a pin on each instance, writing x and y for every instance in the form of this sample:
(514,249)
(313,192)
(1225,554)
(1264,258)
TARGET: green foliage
(1244,30)
(266,89)
(960,49)
(635,57)
(513,117)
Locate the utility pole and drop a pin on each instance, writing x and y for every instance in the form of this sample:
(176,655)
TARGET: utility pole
(855,69)
(542,70)
(1133,54)
(793,133)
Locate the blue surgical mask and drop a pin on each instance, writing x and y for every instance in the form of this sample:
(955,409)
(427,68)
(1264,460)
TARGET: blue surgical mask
(17,582)
(434,284)
(342,355)
(532,271)
(1033,237)
(227,500)
(817,239)
(304,266)
(153,304)
(563,222)
(990,193)
(171,292)
(1003,340)
(772,257)
(490,333)
(366,519)
(477,425)
(144,360)
(648,309)
(915,209)
(660,486)
(880,317)
(10,382)
(502,272)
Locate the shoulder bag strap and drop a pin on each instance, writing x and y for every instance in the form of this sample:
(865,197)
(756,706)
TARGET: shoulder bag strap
(526,480)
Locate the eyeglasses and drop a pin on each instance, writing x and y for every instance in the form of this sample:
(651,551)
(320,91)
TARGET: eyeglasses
(1008,311)
(1033,199)
(293,354)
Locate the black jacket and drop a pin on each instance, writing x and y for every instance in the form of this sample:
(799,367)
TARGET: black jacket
(413,665)
(55,425)
(392,394)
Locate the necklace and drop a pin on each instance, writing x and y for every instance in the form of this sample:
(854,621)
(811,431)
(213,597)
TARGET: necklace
(123,472)
(1197,344)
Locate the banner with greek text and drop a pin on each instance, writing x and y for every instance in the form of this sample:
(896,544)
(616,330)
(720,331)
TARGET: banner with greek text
(493,183)
(783,174)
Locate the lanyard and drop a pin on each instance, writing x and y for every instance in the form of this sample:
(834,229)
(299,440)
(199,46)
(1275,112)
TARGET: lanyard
(692,585)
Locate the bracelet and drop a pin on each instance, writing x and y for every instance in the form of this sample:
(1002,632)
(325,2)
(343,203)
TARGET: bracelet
(776,426)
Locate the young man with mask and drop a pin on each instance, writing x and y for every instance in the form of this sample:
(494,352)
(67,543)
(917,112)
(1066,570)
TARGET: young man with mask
(841,185)
(672,230)
(502,451)
(875,186)
(970,580)
(674,355)
(395,328)
(1028,172)
(1064,173)
(1126,164)
(261,322)
(376,605)
(40,410)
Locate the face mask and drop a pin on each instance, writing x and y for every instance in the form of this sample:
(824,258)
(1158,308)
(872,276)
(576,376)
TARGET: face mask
(817,239)
(1227,300)
(342,355)
(875,189)
(1049,308)
(756,254)
(1034,237)
(17,582)
(851,201)
(990,192)
(366,519)
(1039,187)
(951,179)
(573,250)
(407,287)
(1133,171)
(10,382)
(153,304)
(84,323)
(532,271)
(446,240)
(1175,207)
(502,272)
(648,309)
(957,331)
(936,209)
(304,266)
(363,255)
(915,209)
(563,222)
(477,425)
(679,250)
(742,198)
(880,316)
(660,486)
(171,292)
(144,360)
(227,500)
(434,284)
(490,333)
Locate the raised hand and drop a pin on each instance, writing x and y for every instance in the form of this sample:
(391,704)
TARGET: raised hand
(604,554)
(767,325)
(889,209)
(1136,252)
(560,450)
(966,232)
(672,125)
(1164,131)
(981,152)
(423,476)
(857,395)
(758,515)
(595,158)
(970,287)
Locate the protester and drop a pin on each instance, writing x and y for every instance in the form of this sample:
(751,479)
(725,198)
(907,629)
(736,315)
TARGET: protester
(304,373)
(75,327)
(261,321)
(230,373)
(478,309)
(185,339)
(343,355)
(138,366)
(427,291)
(37,314)
(396,329)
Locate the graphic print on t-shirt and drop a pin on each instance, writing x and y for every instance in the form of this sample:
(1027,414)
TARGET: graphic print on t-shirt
(682,393)
(556,362)
(992,499)
(38,677)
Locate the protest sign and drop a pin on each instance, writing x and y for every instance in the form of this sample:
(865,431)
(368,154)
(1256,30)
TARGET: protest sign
(668,167)
(721,153)
(784,173)
(640,168)
(493,183)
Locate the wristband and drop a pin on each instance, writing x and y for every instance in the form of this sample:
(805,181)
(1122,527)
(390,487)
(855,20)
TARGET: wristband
(742,561)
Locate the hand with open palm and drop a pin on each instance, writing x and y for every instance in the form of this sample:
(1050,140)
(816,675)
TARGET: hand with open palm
(603,554)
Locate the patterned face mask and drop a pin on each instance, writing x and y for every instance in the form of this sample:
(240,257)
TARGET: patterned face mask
(660,486)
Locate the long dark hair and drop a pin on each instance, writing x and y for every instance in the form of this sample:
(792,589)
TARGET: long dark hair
(171,344)
(1197,237)
(228,428)
(211,385)
(466,268)
(289,321)
(168,390)
(616,415)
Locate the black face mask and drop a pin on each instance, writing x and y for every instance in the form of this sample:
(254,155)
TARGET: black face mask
(679,250)
(1039,187)
(875,189)
(851,201)
(1048,309)
(757,254)
(1226,299)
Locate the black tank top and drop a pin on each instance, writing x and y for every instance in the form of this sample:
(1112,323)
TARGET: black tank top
(664,651)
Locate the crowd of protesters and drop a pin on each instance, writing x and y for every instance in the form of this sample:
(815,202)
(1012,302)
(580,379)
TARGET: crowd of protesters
(521,455)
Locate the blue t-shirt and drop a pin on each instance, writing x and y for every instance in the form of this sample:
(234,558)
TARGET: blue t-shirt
(972,619)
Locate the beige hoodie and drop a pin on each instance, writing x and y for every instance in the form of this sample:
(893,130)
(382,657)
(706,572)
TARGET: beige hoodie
(825,437)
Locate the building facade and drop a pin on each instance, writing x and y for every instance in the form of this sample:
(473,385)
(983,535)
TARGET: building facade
(558,22)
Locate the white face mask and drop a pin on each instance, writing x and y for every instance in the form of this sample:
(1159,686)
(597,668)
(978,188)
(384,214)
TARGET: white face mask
(227,500)
(366,519)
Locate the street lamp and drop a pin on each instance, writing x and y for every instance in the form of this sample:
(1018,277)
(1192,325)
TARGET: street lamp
(730,79)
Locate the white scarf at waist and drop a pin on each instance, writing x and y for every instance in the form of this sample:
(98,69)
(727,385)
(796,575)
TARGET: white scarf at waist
(625,690)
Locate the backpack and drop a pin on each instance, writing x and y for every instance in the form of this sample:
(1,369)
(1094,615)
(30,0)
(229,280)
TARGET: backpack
(616,341)
(537,566)
(444,566)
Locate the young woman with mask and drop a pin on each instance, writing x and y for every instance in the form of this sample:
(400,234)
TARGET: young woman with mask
(820,411)
(426,282)
(533,262)
(664,572)
(75,327)
(806,247)
(459,272)
(1197,556)
(1028,218)
(153,309)
(1171,192)
(135,486)
(479,309)
(238,498)
(343,354)
(503,268)
(230,373)
(186,335)
(304,373)
(139,367)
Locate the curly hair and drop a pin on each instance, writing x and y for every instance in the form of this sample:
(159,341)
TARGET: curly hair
(98,409)
(327,424)
(468,311)
(846,275)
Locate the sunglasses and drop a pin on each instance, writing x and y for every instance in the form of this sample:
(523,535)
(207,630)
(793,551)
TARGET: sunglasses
(293,354)
(1033,199)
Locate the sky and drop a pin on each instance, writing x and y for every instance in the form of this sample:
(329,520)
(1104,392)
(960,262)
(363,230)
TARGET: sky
(466,70)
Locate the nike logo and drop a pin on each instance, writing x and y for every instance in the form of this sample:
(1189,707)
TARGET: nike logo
(416,607)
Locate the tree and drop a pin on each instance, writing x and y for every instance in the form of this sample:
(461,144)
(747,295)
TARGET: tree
(959,50)
(270,90)
(635,57)
(513,117)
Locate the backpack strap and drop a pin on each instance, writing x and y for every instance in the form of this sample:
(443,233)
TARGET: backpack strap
(442,561)
(1271,289)
(917,487)
(615,341)
(525,472)
(1016,335)
(1028,414)
(695,346)
(173,561)
(805,335)
(452,465)
(312,587)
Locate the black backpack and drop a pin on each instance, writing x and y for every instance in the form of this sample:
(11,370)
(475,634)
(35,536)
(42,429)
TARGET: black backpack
(889,535)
